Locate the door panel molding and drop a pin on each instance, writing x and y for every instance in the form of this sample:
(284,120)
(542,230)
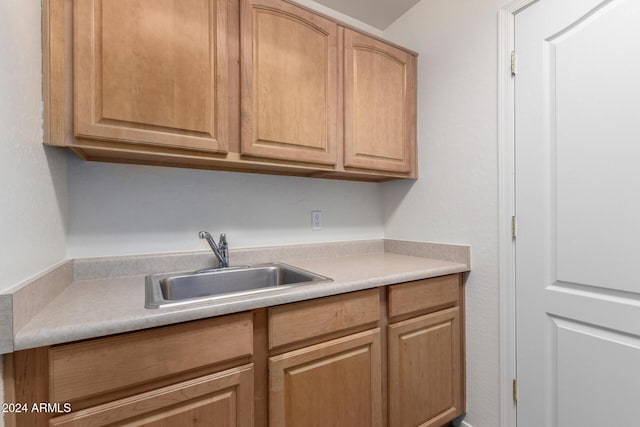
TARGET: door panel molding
(578,347)
(599,292)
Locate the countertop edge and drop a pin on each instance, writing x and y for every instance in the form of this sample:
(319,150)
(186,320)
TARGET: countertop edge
(24,340)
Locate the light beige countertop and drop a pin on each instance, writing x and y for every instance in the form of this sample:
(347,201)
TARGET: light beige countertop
(94,307)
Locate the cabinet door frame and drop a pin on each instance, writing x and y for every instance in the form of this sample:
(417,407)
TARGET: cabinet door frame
(88,98)
(239,379)
(250,143)
(278,366)
(411,328)
(356,156)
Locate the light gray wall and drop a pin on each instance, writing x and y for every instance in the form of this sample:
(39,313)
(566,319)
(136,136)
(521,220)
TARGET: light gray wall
(311,4)
(132,209)
(456,198)
(33,180)
(32,177)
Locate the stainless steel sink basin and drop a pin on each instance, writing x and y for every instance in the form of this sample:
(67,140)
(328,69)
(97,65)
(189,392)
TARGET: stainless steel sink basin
(164,290)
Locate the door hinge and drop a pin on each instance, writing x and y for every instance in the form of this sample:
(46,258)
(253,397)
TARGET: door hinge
(514,63)
(514,227)
(515,390)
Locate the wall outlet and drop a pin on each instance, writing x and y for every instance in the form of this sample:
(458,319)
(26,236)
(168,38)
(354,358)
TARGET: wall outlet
(316,220)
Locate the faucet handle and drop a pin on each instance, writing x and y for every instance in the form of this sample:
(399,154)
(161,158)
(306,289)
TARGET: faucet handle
(224,250)
(220,250)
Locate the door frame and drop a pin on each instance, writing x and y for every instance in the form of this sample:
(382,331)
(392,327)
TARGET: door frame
(506,207)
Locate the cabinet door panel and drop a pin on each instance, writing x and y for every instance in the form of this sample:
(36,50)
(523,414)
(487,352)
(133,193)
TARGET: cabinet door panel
(222,399)
(289,83)
(379,103)
(336,383)
(425,364)
(152,72)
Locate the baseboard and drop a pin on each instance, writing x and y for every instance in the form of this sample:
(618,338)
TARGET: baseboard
(458,422)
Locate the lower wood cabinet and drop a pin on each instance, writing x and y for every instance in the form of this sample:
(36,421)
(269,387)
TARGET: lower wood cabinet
(263,86)
(425,346)
(336,383)
(224,399)
(390,356)
(189,374)
(424,370)
(325,367)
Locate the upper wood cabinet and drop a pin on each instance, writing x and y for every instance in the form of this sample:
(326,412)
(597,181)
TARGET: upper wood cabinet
(289,69)
(379,105)
(261,86)
(152,72)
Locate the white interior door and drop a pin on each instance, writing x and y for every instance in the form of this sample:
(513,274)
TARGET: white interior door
(578,210)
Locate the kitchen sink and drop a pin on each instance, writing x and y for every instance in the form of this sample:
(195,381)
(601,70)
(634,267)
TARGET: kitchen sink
(171,289)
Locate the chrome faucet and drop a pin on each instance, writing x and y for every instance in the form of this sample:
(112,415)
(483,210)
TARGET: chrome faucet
(221,250)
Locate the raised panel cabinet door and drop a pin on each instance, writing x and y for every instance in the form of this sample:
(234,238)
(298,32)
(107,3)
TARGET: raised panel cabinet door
(379,105)
(219,400)
(289,77)
(425,370)
(152,72)
(337,383)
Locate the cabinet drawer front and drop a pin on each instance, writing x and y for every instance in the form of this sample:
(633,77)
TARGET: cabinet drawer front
(309,319)
(424,295)
(225,398)
(97,366)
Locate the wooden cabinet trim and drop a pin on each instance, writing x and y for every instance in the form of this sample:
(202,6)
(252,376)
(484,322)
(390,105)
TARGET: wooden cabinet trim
(235,385)
(424,295)
(296,322)
(261,368)
(57,82)
(88,368)
(25,381)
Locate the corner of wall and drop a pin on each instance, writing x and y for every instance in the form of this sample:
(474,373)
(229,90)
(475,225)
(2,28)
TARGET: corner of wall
(340,16)
(34,223)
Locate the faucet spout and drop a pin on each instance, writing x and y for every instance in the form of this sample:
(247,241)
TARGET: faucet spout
(220,250)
